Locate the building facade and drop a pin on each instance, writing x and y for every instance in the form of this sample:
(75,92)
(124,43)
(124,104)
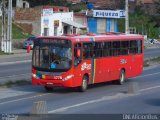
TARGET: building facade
(59,23)
(46,20)
(53,25)
(102,21)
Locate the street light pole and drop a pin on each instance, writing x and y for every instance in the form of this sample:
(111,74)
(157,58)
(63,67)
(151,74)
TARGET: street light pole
(126,18)
(3,25)
(9,32)
(4,29)
(2,34)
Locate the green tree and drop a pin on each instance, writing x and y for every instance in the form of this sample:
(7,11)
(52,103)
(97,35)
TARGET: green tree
(122,4)
(152,30)
(156,17)
(143,24)
(157,4)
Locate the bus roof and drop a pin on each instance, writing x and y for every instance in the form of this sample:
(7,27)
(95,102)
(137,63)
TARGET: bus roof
(86,38)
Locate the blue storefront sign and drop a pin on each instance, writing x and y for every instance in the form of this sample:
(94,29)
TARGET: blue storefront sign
(109,13)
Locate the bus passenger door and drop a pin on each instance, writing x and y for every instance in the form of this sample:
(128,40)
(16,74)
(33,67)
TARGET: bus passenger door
(97,63)
(137,57)
(77,64)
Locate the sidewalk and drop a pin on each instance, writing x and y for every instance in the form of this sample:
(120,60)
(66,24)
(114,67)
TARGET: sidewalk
(20,55)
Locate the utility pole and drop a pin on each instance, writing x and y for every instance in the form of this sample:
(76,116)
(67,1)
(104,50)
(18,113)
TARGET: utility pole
(9,30)
(126,18)
(2,22)
(3,42)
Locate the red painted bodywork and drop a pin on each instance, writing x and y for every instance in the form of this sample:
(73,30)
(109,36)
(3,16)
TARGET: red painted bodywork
(106,69)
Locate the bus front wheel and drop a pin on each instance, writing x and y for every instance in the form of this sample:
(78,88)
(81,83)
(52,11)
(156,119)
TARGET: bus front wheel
(122,77)
(84,84)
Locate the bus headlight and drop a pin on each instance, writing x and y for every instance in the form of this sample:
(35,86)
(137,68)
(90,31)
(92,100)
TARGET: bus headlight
(68,77)
(35,76)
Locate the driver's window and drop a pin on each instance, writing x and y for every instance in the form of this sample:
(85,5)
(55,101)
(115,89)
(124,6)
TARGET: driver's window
(77,57)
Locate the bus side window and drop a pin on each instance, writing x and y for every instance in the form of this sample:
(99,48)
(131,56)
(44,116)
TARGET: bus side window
(124,48)
(107,49)
(139,42)
(116,48)
(133,47)
(98,49)
(88,52)
(77,54)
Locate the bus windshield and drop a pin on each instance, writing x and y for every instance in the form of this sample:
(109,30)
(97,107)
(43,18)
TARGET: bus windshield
(52,57)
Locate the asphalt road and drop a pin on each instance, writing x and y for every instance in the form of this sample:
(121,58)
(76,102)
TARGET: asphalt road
(105,98)
(152,52)
(13,72)
(19,68)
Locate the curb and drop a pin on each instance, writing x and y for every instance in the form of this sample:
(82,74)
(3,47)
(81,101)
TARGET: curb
(150,67)
(15,55)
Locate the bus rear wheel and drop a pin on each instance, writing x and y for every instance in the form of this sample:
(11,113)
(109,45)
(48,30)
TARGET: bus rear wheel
(84,84)
(48,89)
(122,77)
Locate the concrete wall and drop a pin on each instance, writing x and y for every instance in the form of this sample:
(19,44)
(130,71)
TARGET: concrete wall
(29,14)
(27,27)
(29,19)
(81,19)
(36,27)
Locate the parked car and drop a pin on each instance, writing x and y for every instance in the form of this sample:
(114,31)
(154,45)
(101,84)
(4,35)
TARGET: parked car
(153,41)
(29,41)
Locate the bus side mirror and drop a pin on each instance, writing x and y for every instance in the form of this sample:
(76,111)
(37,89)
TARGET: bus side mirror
(78,54)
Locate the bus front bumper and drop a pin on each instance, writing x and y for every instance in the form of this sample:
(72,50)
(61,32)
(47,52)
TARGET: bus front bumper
(54,83)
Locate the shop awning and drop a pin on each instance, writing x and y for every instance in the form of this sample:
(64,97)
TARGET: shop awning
(72,23)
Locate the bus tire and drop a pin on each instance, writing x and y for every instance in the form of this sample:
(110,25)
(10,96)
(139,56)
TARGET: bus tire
(48,89)
(84,84)
(121,78)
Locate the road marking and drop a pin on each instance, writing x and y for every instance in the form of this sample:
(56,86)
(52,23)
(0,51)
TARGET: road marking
(151,67)
(147,75)
(104,98)
(24,98)
(120,95)
(150,88)
(15,62)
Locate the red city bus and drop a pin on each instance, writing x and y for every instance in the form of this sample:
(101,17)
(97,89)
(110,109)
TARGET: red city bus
(78,61)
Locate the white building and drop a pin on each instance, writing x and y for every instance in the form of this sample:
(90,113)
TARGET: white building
(22,4)
(59,23)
